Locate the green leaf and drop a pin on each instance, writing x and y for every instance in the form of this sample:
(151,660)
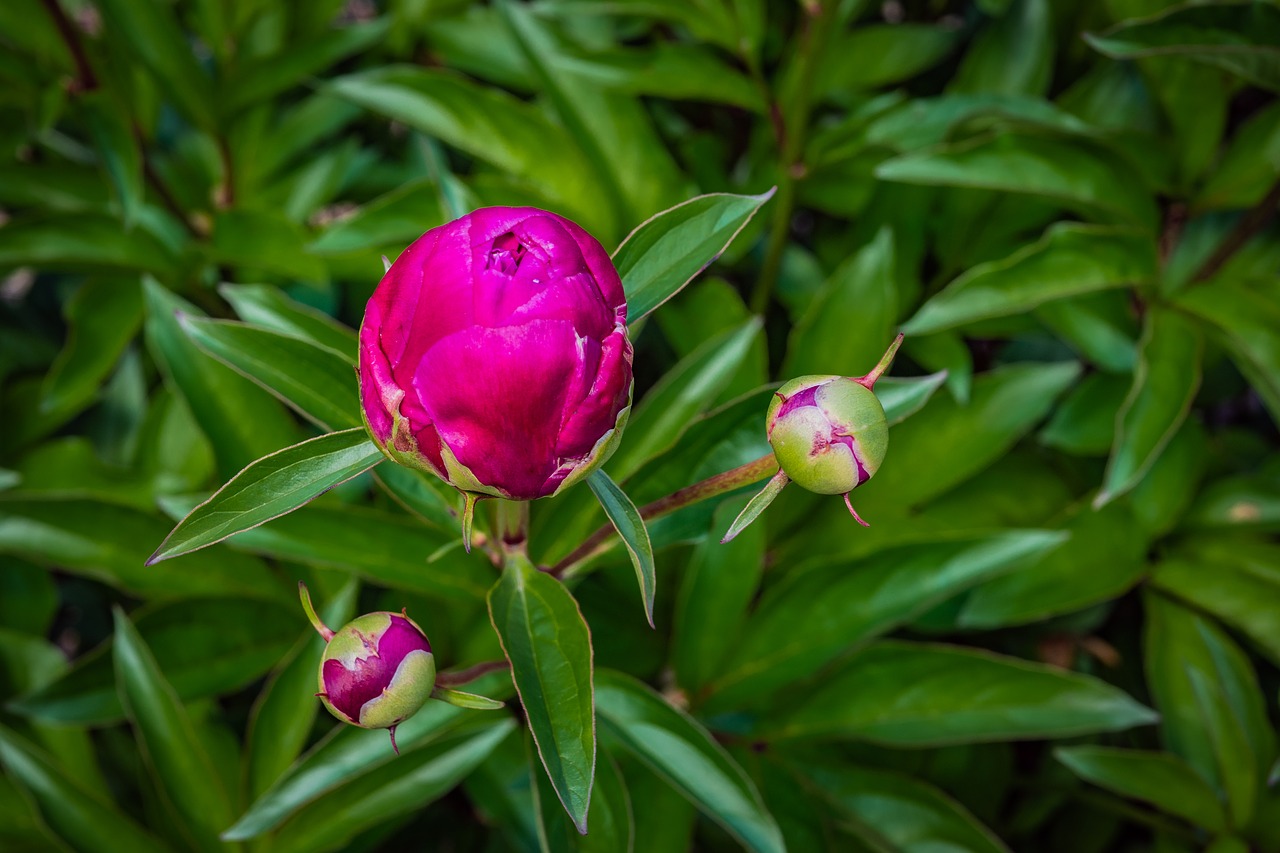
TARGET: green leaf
(1214,715)
(206,647)
(391,550)
(1164,385)
(548,644)
(417,777)
(717,588)
(851,319)
(682,71)
(1069,260)
(270,487)
(902,398)
(346,756)
(490,125)
(947,443)
(284,713)
(813,617)
(1105,556)
(268,308)
(682,752)
(916,694)
(118,151)
(909,814)
(1163,780)
(110,543)
(611,816)
(103,317)
(667,251)
(1244,318)
(314,380)
(264,241)
(1242,38)
(1084,423)
(261,77)
(1250,163)
(80,817)
(687,390)
(85,242)
(1234,580)
(183,770)
(397,218)
(876,55)
(157,41)
(1071,171)
(1012,55)
(241,420)
(1248,501)
(626,519)
(1098,326)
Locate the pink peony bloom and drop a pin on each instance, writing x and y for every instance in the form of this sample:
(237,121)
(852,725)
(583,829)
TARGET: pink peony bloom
(494,354)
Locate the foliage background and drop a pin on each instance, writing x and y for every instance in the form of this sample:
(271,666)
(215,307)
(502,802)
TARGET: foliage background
(1066,205)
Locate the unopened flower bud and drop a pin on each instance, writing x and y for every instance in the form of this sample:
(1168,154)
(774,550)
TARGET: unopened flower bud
(494,354)
(828,433)
(377,670)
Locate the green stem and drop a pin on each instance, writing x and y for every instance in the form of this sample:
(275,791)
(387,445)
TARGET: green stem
(322,629)
(792,132)
(513,526)
(466,676)
(744,475)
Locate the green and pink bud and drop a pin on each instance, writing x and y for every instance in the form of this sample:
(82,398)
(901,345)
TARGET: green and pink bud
(377,670)
(829,434)
(494,355)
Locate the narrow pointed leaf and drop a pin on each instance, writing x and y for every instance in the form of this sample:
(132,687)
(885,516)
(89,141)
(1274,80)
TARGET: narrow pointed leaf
(268,308)
(314,380)
(1159,778)
(83,819)
(183,769)
(665,253)
(271,487)
(681,751)
(626,519)
(1164,384)
(548,644)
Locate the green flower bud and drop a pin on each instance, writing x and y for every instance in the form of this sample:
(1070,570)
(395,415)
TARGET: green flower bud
(828,433)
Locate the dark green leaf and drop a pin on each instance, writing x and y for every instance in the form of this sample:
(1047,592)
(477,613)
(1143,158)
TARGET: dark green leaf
(815,616)
(346,756)
(102,317)
(1073,172)
(82,818)
(1105,555)
(902,398)
(624,516)
(264,241)
(915,694)
(316,381)
(717,587)
(399,217)
(156,39)
(1245,319)
(878,55)
(909,814)
(110,544)
(270,487)
(666,252)
(87,242)
(241,420)
(387,549)
(1239,502)
(548,643)
(1236,581)
(1214,715)
(1243,38)
(851,319)
(1069,260)
(206,647)
(417,777)
(1164,384)
(183,770)
(687,390)
(1084,424)
(1098,327)
(267,307)
(1163,780)
(677,748)
(1012,55)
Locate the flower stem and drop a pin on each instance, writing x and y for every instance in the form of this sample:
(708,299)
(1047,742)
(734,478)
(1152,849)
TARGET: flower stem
(322,629)
(466,676)
(869,380)
(513,526)
(744,475)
